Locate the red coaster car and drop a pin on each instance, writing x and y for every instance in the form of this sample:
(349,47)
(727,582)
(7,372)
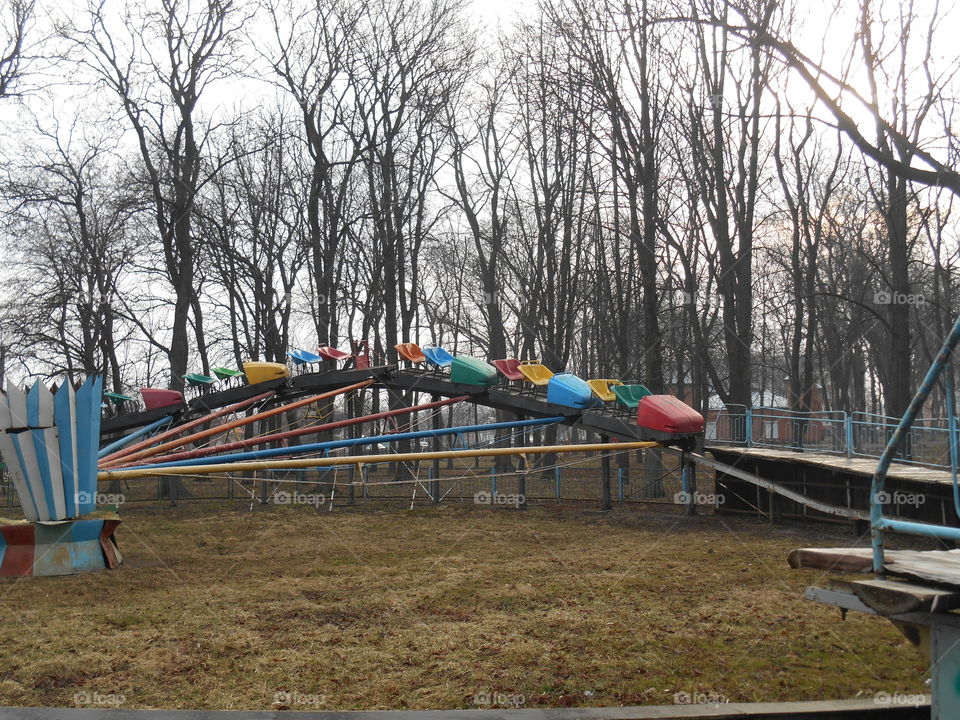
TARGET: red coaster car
(668,415)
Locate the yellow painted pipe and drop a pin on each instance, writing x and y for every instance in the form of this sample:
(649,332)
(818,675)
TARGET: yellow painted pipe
(365,459)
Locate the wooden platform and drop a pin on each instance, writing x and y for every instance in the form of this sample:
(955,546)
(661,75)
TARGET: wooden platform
(854,465)
(915,493)
(937,567)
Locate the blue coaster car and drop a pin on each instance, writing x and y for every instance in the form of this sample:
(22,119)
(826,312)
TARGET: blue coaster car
(303,357)
(437,356)
(569,390)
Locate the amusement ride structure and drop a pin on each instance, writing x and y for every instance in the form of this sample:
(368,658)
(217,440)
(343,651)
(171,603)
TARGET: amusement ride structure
(58,445)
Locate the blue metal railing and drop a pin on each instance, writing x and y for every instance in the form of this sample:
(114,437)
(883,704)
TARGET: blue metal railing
(880,524)
(855,434)
(822,431)
(932,441)
(926,442)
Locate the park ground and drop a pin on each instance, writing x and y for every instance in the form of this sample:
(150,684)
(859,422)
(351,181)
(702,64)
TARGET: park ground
(218,606)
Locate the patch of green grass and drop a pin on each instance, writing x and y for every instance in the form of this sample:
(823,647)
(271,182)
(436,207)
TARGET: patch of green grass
(221,608)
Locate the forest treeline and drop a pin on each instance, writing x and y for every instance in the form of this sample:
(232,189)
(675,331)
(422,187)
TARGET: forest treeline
(668,191)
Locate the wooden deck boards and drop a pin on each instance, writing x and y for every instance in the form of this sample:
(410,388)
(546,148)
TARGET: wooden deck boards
(855,465)
(940,567)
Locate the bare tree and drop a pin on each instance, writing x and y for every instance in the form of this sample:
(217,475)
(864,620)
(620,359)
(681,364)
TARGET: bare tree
(68,201)
(809,175)
(254,217)
(725,131)
(894,148)
(552,219)
(18,15)
(413,59)
(616,46)
(313,44)
(483,160)
(159,62)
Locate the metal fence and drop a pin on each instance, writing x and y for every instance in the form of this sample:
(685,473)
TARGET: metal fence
(859,434)
(579,479)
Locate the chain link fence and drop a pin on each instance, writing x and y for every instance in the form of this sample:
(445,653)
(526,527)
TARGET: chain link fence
(641,477)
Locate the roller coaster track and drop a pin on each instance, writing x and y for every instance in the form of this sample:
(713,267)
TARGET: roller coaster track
(504,397)
(600,421)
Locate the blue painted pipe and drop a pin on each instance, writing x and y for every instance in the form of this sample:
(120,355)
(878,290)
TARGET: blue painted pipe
(954,451)
(923,529)
(319,447)
(146,430)
(877,522)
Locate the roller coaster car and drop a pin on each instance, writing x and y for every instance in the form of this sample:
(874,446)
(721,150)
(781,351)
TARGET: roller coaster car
(303,357)
(154,398)
(118,398)
(361,354)
(438,356)
(117,403)
(198,379)
(223,373)
(509,368)
(258,372)
(411,352)
(536,373)
(601,387)
(332,353)
(470,371)
(569,390)
(629,395)
(667,417)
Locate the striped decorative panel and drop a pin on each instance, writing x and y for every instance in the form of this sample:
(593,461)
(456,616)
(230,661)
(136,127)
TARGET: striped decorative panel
(49,442)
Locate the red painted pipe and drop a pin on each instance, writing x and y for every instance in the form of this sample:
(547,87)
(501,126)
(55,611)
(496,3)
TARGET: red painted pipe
(212,449)
(179,442)
(112,457)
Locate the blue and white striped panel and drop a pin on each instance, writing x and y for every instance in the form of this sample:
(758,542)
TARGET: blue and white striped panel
(6,422)
(24,448)
(65,414)
(46,445)
(39,438)
(88,440)
(40,406)
(11,458)
(17,403)
(24,451)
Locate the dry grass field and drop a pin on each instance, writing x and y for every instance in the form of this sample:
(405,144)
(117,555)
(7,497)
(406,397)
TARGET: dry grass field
(218,607)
